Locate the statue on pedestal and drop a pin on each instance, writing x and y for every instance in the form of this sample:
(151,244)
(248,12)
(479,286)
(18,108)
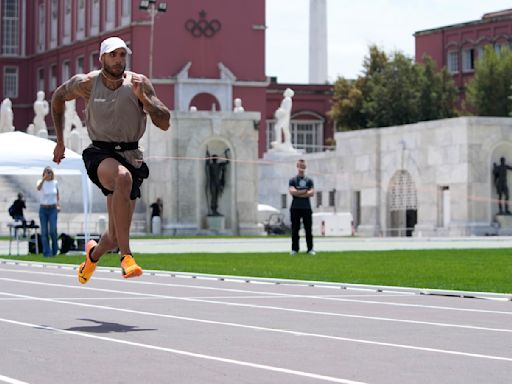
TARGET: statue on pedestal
(282,134)
(238,106)
(71,118)
(6,116)
(215,180)
(500,182)
(41,109)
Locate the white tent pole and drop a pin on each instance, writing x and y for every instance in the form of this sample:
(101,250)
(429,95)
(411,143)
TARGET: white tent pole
(85,202)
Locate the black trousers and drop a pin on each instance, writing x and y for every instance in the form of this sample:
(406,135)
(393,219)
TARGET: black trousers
(306,215)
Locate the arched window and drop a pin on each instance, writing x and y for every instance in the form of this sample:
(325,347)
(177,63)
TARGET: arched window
(205,102)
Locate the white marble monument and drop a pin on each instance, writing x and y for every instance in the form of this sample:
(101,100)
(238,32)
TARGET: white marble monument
(41,109)
(282,137)
(6,116)
(178,173)
(238,106)
(318,41)
(427,179)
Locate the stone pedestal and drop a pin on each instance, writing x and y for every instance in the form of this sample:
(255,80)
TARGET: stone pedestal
(216,224)
(505,222)
(156,225)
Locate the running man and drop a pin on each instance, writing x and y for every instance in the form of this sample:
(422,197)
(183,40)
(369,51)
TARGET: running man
(117,102)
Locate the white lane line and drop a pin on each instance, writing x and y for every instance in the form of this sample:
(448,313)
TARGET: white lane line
(277,330)
(10,380)
(190,354)
(407,305)
(265,307)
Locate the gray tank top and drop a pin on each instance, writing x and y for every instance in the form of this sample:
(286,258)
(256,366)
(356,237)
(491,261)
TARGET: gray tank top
(115,116)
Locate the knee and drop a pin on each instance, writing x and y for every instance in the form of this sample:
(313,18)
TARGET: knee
(124,181)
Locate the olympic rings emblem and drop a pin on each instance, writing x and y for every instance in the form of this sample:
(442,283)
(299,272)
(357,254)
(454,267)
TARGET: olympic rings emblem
(202,27)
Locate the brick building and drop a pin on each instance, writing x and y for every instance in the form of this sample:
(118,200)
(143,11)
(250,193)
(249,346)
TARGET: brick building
(206,53)
(458,46)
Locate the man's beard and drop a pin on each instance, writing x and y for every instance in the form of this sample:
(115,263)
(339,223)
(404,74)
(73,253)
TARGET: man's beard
(115,71)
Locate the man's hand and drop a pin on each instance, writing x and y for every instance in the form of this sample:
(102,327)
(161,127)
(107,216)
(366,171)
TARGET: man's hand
(138,87)
(58,153)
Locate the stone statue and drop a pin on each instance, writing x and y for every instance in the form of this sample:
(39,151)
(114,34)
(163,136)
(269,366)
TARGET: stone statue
(215,180)
(282,126)
(71,118)
(500,181)
(6,116)
(238,106)
(41,109)
(31,130)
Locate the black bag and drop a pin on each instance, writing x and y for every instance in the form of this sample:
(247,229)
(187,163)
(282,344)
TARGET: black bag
(67,243)
(11,211)
(32,244)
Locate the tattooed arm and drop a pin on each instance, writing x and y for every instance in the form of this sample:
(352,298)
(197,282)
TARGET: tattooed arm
(77,86)
(144,90)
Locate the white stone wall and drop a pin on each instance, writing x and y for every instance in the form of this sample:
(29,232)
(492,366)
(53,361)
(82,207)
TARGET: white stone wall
(455,153)
(177,164)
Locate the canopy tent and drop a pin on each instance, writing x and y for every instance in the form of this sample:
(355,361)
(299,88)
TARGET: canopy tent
(23,154)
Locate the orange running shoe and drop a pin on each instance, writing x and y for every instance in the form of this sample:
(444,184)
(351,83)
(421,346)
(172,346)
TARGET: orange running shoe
(129,267)
(87,268)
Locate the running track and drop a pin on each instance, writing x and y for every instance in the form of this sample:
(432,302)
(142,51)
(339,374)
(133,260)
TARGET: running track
(162,328)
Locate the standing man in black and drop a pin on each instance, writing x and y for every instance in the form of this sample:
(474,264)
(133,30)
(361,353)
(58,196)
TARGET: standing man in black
(301,188)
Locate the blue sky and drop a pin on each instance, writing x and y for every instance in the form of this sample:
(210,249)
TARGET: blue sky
(353,25)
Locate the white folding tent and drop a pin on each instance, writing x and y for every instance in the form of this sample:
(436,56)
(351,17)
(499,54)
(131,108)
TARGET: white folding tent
(23,154)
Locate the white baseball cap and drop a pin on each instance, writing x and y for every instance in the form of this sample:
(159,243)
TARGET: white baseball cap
(111,44)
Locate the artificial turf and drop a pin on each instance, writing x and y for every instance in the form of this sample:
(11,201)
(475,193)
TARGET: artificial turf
(482,270)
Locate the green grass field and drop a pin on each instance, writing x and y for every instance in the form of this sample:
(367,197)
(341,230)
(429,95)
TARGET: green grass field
(483,270)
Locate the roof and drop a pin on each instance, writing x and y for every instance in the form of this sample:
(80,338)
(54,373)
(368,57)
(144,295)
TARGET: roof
(490,17)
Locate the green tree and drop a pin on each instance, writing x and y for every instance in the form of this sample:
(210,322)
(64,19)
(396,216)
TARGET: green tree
(347,105)
(438,93)
(349,95)
(393,93)
(488,92)
(392,90)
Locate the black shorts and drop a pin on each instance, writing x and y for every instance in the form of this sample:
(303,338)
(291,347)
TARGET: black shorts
(93,156)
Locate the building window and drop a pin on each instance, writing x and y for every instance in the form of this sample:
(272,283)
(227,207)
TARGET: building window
(305,134)
(65,71)
(66,39)
(270,133)
(53,77)
(11,82)
(41,28)
(332,198)
(40,79)
(468,60)
(95,17)
(79,65)
(453,62)
(126,13)
(54,25)
(110,15)
(498,47)
(480,52)
(319,199)
(95,61)
(10,24)
(283,201)
(80,21)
